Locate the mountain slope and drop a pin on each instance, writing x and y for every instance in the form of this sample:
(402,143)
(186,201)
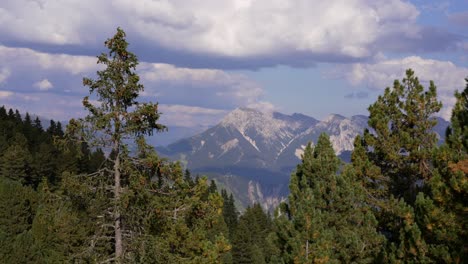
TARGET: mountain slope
(258,151)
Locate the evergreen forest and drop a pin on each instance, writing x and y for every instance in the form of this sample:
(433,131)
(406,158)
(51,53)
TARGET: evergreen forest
(96,192)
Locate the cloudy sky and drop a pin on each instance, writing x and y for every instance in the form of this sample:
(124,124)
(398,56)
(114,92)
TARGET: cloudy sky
(202,58)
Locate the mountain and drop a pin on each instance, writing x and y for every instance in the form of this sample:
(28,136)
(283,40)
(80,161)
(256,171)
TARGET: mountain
(252,153)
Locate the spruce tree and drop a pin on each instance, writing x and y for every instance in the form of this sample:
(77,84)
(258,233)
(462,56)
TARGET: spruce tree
(16,161)
(230,213)
(118,116)
(18,206)
(249,243)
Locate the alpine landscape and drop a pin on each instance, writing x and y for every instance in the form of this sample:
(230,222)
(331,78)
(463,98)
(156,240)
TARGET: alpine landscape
(252,153)
(233,131)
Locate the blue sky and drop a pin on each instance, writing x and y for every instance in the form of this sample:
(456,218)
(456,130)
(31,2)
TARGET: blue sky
(202,59)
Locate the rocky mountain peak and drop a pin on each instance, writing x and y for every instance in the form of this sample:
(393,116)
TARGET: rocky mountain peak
(332,118)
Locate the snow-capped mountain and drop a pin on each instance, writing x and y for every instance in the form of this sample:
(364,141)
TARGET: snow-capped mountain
(253,153)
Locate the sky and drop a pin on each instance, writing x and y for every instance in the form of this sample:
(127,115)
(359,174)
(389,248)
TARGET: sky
(200,59)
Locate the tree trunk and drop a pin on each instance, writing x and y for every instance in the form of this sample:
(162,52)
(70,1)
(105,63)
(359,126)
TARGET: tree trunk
(117,224)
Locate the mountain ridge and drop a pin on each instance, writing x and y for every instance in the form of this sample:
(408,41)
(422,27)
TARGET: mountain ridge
(263,149)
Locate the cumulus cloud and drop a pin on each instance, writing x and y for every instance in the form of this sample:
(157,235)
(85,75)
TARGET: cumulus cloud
(4,74)
(190,116)
(27,58)
(44,85)
(203,87)
(5,94)
(447,76)
(295,32)
(263,106)
(53,21)
(206,94)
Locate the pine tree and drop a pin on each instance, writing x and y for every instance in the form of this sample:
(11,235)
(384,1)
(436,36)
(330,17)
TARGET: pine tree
(441,210)
(118,116)
(369,175)
(457,132)
(188,177)
(402,140)
(37,124)
(57,230)
(422,215)
(249,243)
(177,222)
(18,206)
(16,162)
(230,213)
(406,243)
(326,218)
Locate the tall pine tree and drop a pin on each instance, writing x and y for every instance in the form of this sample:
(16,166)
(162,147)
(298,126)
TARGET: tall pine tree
(117,116)
(326,218)
(401,139)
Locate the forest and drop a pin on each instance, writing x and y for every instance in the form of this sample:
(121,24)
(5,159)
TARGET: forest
(96,192)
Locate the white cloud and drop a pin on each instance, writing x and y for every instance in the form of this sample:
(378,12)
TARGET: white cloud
(447,76)
(4,74)
(193,95)
(54,21)
(28,58)
(5,94)
(44,85)
(190,109)
(243,28)
(263,106)
(231,28)
(190,116)
(203,87)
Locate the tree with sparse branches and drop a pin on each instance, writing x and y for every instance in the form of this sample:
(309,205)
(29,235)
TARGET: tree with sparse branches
(116,118)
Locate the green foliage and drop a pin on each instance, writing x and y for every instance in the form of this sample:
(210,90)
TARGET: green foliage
(441,211)
(407,246)
(326,219)
(427,221)
(457,132)
(141,207)
(17,207)
(178,222)
(249,242)
(230,213)
(16,161)
(401,140)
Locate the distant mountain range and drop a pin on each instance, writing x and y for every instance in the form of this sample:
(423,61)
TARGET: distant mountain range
(252,153)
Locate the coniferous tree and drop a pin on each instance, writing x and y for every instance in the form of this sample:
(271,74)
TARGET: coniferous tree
(18,206)
(326,218)
(16,161)
(457,132)
(188,177)
(249,242)
(417,191)
(441,210)
(230,213)
(118,116)
(140,206)
(401,141)
(37,124)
